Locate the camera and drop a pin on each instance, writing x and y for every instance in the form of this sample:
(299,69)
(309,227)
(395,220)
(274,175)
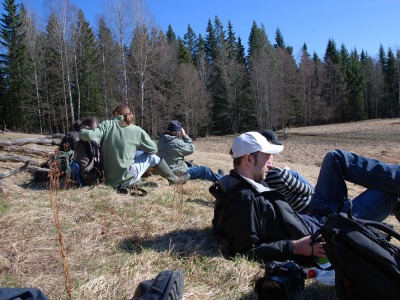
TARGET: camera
(281,281)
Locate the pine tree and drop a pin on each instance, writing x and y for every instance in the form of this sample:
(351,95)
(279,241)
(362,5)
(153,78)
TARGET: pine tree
(184,55)
(354,79)
(279,39)
(390,106)
(87,80)
(109,68)
(14,62)
(190,42)
(170,35)
(211,43)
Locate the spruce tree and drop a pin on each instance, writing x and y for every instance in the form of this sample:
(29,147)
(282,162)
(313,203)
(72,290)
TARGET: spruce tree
(87,81)
(170,35)
(190,43)
(14,62)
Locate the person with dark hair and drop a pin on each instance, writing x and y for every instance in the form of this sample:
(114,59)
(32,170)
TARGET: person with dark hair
(257,221)
(119,141)
(86,167)
(294,187)
(70,138)
(174,145)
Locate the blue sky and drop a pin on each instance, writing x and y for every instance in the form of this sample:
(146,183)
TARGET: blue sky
(358,24)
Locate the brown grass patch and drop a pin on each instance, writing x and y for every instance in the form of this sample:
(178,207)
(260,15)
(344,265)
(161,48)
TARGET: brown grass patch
(112,241)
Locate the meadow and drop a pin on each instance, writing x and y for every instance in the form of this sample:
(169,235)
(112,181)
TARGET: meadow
(111,242)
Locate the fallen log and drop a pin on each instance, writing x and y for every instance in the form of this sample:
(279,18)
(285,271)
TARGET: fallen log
(20,149)
(13,158)
(39,141)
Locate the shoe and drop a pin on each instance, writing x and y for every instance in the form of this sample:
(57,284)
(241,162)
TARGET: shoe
(168,285)
(122,189)
(221,172)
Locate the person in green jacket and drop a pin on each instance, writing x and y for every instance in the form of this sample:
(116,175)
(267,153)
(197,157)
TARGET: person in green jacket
(126,150)
(174,145)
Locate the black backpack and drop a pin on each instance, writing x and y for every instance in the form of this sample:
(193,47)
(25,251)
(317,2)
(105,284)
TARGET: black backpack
(367,265)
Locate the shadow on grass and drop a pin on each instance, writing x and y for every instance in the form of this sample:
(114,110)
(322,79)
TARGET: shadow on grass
(184,243)
(64,184)
(201,202)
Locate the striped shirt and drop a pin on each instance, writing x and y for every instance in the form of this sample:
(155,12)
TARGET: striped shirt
(297,193)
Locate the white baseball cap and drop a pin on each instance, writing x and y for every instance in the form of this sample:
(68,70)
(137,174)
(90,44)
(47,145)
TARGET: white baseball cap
(251,142)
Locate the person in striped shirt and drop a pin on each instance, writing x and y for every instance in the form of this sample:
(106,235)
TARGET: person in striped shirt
(296,190)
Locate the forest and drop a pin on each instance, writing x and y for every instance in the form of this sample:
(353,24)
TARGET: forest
(212,83)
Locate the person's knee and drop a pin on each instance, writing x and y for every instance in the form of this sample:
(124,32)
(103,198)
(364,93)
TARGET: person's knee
(154,160)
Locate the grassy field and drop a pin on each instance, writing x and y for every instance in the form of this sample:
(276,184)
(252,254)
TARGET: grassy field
(111,242)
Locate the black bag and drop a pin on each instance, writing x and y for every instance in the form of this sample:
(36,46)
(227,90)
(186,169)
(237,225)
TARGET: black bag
(168,285)
(366,265)
(282,280)
(21,294)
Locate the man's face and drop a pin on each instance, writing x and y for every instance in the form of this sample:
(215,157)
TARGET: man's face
(262,162)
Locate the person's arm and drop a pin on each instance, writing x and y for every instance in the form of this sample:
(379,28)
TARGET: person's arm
(184,146)
(93,135)
(292,184)
(147,144)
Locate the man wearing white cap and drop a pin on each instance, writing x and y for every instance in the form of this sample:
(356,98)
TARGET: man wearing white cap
(257,221)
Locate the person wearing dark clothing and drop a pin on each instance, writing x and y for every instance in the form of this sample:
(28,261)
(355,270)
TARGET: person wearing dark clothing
(70,138)
(256,220)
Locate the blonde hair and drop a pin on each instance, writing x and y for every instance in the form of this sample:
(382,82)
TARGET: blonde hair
(123,110)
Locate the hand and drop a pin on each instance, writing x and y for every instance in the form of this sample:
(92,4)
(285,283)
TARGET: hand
(183,132)
(305,247)
(286,167)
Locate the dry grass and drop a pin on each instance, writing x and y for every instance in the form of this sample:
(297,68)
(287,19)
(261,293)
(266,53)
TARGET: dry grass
(112,241)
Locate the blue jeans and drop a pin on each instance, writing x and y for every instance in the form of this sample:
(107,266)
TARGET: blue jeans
(201,172)
(381,180)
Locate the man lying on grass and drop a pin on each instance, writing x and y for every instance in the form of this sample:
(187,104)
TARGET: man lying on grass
(257,221)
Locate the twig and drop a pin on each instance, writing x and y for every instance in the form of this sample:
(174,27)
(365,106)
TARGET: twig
(55,204)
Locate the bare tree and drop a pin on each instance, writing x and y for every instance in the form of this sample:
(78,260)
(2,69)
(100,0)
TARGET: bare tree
(65,14)
(264,85)
(193,101)
(120,16)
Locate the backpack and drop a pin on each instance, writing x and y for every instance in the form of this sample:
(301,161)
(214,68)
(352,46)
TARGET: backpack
(61,159)
(366,264)
(8,293)
(86,168)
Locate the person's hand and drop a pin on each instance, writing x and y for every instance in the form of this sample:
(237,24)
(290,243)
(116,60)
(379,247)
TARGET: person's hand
(286,167)
(305,247)
(183,132)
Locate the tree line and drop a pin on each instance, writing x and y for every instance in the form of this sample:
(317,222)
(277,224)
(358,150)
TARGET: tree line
(53,76)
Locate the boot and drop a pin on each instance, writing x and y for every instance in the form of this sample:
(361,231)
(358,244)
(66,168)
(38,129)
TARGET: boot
(163,170)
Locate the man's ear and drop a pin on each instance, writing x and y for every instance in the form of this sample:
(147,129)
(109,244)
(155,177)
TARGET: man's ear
(247,158)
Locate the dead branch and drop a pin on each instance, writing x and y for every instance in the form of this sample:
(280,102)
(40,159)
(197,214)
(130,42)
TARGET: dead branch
(15,171)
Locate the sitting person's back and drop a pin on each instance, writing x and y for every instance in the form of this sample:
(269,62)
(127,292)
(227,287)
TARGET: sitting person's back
(89,170)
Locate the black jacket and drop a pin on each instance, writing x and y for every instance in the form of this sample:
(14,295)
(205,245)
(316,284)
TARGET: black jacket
(255,219)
